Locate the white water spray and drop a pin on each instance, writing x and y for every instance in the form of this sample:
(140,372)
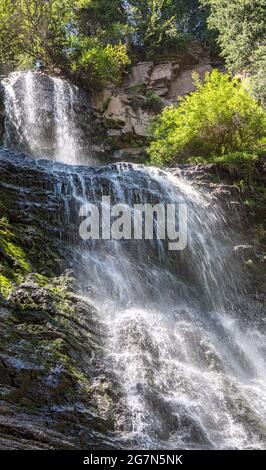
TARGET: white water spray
(67,138)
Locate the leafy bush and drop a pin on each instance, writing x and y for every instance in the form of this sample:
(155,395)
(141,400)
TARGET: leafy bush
(218,118)
(100,63)
(63,35)
(87,36)
(153,102)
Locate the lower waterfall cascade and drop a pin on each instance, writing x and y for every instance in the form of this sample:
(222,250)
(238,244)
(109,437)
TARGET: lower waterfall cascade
(188,361)
(188,366)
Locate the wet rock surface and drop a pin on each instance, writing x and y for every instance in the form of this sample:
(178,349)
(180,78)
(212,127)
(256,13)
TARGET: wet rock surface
(55,389)
(245,206)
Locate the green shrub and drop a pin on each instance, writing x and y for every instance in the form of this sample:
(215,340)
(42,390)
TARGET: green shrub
(220,117)
(241,29)
(32,29)
(101,64)
(153,102)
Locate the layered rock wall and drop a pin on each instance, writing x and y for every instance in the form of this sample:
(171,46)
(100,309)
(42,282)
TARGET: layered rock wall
(149,86)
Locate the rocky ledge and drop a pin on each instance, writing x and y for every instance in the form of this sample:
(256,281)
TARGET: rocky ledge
(241,191)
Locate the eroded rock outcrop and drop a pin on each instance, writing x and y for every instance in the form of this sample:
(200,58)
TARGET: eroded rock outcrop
(148,87)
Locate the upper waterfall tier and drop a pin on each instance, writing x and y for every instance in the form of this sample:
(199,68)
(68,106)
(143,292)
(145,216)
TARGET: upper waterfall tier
(49,117)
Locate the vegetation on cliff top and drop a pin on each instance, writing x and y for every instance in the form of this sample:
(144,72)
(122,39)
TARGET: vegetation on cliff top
(94,39)
(88,38)
(219,118)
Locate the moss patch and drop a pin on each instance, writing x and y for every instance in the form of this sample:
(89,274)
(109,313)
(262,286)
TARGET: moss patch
(5,286)
(14,264)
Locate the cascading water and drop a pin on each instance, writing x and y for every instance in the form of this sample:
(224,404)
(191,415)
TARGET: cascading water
(41,119)
(191,370)
(189,363)
(67,148)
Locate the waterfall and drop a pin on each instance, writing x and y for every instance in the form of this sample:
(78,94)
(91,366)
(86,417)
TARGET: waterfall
(190,367)
(41,119)
(67,138)
(187,356)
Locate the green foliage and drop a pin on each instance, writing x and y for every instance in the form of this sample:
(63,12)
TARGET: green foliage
(5,286)
(258,81)
(99,63)
(192,16)
(242,29)
(14,263)
(105,20)
(218,118)
(153,102)
(88,37)
(33,29)
(8,24)
(73,37)
(160,24)
(10,250)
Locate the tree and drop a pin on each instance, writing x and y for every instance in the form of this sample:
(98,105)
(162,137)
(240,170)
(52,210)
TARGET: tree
(31,29)
(72,36)
(96,63)
(105,20)
(161,24)
(218,118)
(258,67)
(242,31)
(9,28)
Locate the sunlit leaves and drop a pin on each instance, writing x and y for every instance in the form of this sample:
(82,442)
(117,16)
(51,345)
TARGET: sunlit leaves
(219,117)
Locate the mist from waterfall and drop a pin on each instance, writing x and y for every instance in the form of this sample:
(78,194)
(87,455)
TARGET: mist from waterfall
(41,119)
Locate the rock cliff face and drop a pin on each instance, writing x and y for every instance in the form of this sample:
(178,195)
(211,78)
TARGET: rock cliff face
(145,91)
